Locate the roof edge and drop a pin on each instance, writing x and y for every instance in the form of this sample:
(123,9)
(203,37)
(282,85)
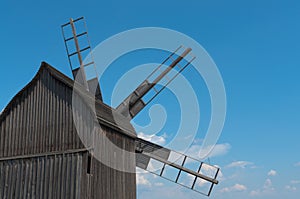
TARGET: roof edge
(70,83)
(31,82)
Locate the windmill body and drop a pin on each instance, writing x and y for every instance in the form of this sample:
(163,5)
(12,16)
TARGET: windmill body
(149,156)
(41,154)
(51,148)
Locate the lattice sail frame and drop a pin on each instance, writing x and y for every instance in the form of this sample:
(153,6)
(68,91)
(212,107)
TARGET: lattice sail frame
(150,88)
(176,167)
(78,45)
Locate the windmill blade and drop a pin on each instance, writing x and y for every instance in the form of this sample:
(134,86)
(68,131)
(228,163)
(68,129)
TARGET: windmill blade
(176,167)
(78,44)
(134,103)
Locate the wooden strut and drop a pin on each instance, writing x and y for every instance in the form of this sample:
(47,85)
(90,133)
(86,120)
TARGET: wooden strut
(181,168)
(79,54)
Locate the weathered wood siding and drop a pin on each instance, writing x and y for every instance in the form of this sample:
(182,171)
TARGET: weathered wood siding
(39,122)
(53,176)
(39,119)
(122,185)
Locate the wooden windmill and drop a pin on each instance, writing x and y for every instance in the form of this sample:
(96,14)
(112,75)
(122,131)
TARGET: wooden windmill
(185,171)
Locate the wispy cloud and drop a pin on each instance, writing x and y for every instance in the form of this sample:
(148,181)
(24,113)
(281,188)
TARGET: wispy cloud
(161,140)
(266,189)
(240,164)
(297,164)
(142,180)
(255,193)
(292,185)
(272,173)
(290,188)
(236,187)
(159,184)
(218,150)
(268,186)
(295,181)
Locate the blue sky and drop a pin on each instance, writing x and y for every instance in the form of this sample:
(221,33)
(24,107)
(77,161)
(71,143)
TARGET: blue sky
(255,45)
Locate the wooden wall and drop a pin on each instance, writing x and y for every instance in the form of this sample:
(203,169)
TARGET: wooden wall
(38,123)
(52,176)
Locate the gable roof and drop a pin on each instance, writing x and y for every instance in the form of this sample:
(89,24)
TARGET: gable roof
(106,115)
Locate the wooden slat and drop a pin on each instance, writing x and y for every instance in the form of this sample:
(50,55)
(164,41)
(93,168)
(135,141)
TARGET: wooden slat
(39,120)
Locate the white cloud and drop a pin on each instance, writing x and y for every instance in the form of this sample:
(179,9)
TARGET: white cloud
(295,181)
(239,164)
(159,184)
(268,185)
(142,180)
(272,173)
(266,189)
(210,170)
(161,140)
(255,193)
(172,191)
(290,188)
(236,187)
(297,164)
(239,187)
(218,150)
